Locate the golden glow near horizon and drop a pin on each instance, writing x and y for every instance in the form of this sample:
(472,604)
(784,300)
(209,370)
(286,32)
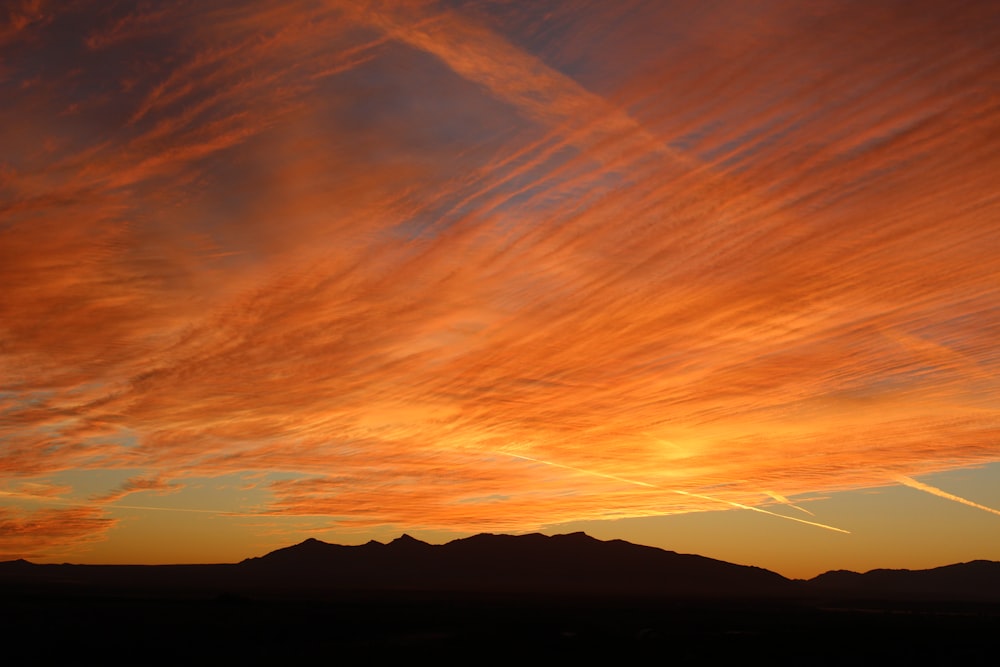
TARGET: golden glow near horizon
(271,269)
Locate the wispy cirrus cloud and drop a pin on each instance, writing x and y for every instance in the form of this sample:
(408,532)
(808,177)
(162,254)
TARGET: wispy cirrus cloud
(135,484)
(47,533)
(382,246)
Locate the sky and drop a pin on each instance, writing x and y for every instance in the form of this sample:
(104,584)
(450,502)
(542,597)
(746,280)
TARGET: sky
(715,276)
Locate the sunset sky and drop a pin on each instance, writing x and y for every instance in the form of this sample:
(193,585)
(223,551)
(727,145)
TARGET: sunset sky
(721,277)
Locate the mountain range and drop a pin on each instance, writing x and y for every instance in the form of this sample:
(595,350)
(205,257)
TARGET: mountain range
(531,564)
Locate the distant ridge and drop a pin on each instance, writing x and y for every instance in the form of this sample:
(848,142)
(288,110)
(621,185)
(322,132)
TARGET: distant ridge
(975,580)
(533,562)
(574,563)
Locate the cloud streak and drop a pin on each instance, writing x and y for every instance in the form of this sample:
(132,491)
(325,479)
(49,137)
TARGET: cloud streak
(134,485)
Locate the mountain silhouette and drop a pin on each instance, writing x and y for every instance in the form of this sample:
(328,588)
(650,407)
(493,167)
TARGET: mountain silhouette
(519,564)
(523,563)
(975,580)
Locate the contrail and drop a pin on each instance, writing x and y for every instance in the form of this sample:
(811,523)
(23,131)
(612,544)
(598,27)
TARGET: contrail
(920,486)
(108,506)
(683,493)
(762,511)
(166,509)
(587,472)
(785,501)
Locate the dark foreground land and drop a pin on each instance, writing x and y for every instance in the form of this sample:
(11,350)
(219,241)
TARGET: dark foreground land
(494,599)
(60,625)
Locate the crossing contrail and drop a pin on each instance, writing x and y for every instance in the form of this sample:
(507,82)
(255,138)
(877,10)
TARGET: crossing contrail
(677,491)
(785,501)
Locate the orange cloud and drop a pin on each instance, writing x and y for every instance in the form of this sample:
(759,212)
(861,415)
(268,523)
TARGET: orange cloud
(19,17)
(49,532)
(390,248)
(35,491)
(134,484)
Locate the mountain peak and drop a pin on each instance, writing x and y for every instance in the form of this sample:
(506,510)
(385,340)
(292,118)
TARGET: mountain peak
(312,543)
(578,536)
(407,540)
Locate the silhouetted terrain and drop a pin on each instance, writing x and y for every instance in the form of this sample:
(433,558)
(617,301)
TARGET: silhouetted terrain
(976,580)
(494,598)
(572,564)
(533,563)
